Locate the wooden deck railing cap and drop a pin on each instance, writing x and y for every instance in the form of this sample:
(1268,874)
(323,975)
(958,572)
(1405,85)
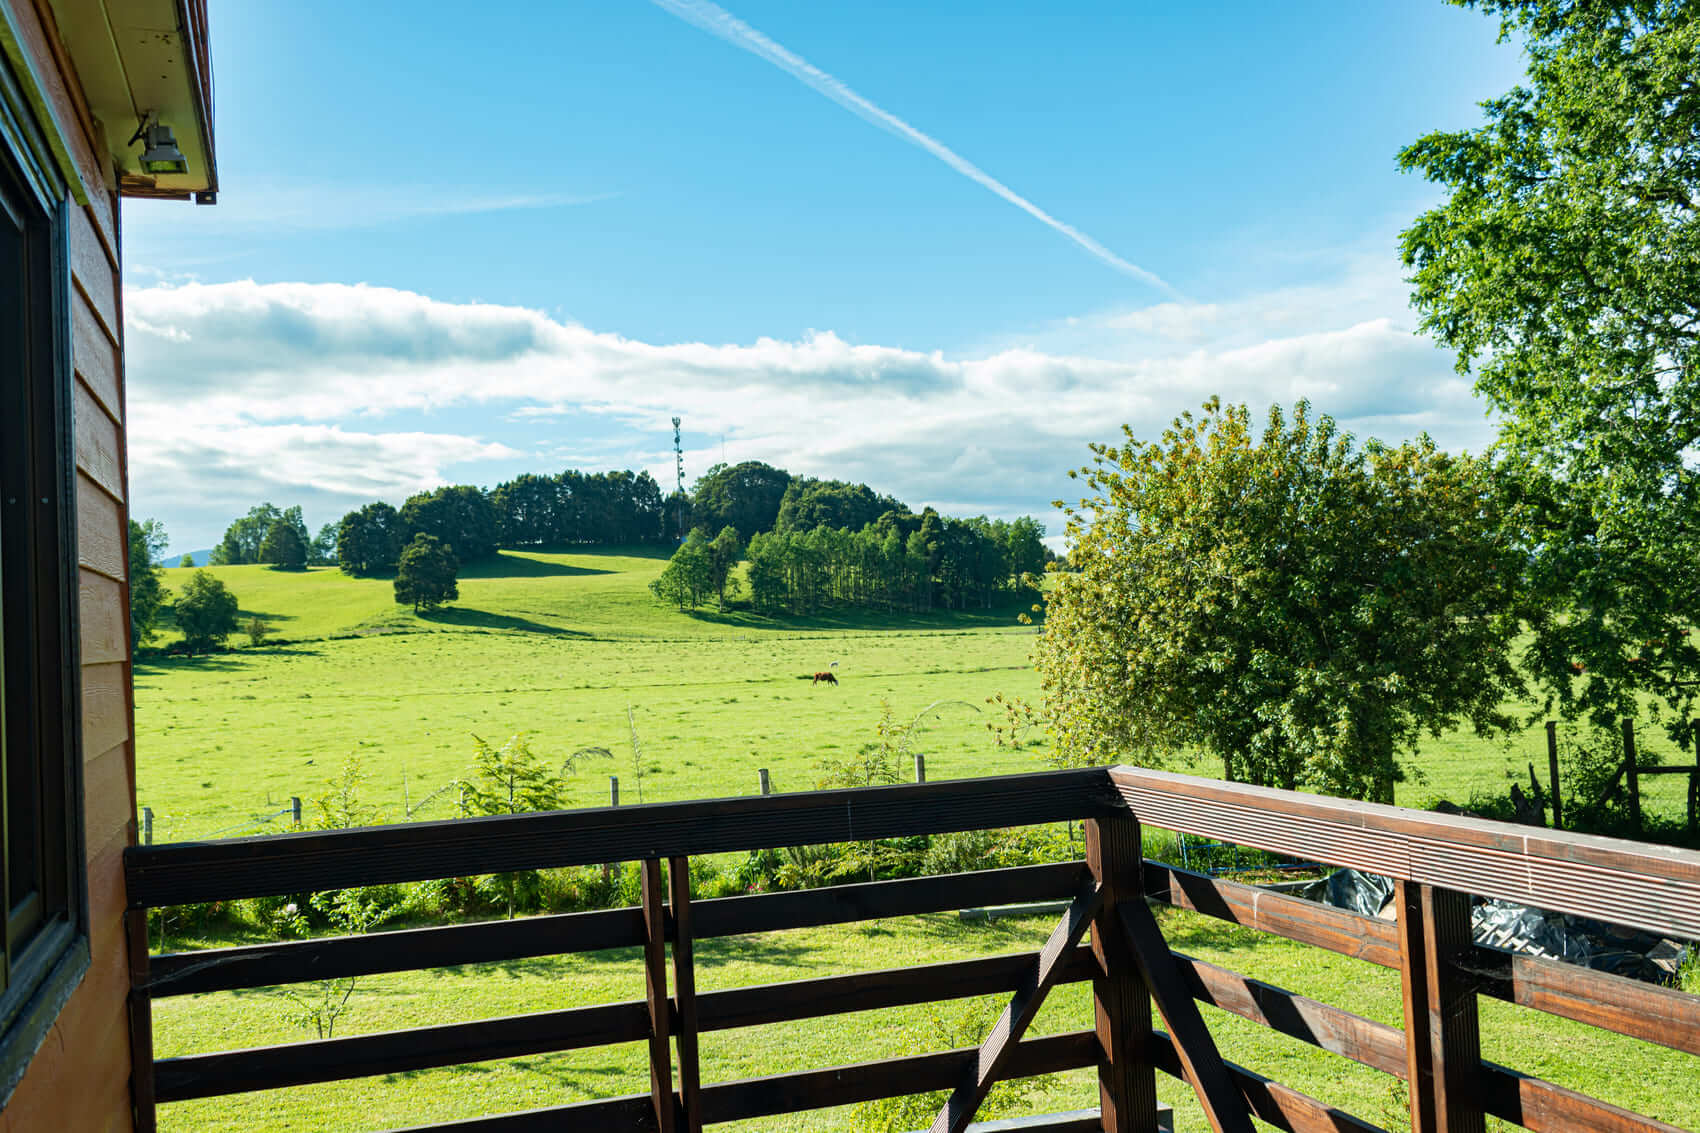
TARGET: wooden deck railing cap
(1634,883)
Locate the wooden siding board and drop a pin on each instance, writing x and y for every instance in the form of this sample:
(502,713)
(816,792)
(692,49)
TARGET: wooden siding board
(106,794)
(94,354)
(99,454)
(106,707)
(102,625)
(93,272)
(67,131)
(100,531)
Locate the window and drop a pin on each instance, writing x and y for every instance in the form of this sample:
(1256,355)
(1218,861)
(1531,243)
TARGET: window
(44,947)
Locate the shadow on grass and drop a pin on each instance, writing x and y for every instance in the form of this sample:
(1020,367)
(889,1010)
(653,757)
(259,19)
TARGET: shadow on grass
(516,564)
(159,662)
(486,619)
(999,617)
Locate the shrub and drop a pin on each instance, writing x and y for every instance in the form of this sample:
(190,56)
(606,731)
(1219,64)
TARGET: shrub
(206,612)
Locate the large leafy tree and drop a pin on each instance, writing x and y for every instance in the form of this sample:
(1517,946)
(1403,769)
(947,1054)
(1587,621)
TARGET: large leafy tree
(1564,267)
(284,548)
(460,515)
(206,612)
(368,541)
(426,574)
(244,537)
(147,592)
(745,496)
(1299,607)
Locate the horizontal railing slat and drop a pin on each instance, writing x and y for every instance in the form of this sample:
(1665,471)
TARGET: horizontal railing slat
(1633,883)
(868,1081)
(400,950)
(1309,922)
(794,1092)
(1270,1101)
(514,1036)
(1645,1011)
(1375,1045)
(187,872)
(265,965)
(1546,1107)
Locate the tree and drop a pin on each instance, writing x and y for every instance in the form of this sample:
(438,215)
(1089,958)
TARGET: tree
(368,541)
(1564,267)
(460,515)
(186,561)
(425,574)
(1300,608)
(723,554)
(243,538)
(744,496)
(147,590)
(323,552)
(206,612)
(688,577)
(283,547)
(808,504)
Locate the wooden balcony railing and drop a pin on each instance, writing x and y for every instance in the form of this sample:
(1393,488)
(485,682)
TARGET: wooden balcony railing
(1436,861)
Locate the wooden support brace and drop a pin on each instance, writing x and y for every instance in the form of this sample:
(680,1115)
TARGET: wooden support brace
(655,988)
(1121,1003)
(982,1074)
(141,1024)
(1442,1035)
(685,995)
(1218,1095)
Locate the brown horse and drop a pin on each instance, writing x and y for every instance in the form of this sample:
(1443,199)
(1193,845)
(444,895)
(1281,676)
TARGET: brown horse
(827,677)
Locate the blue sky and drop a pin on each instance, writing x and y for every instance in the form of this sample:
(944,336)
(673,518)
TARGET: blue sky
(456,244)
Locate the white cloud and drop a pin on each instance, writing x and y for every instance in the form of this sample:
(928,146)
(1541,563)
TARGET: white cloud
(245,391)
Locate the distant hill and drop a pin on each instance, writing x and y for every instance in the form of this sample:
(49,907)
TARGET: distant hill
(172,558)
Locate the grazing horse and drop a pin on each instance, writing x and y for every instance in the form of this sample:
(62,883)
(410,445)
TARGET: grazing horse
(829,678)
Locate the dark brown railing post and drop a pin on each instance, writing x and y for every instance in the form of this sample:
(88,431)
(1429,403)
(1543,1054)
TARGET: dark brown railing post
(685,993)
(655,989)
(1442,1034)
(141,1023)
(1127,1078)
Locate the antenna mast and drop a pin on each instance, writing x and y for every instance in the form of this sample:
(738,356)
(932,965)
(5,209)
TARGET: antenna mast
(679,468)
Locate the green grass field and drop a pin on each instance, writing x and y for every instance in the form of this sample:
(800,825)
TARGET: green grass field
(562,645)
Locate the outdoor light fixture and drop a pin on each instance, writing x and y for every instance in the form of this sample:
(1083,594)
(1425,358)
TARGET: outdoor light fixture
(162,154)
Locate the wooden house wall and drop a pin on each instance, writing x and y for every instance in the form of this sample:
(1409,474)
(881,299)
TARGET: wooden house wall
(80,1078)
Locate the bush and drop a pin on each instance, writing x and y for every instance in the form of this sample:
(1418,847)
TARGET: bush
(206,612)
(257,631)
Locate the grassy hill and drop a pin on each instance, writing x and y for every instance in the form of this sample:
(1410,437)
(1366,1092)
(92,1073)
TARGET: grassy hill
(560,645)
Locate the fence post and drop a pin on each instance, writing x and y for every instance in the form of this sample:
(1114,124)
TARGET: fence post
(147,826)
(1552,767)
(1694,789)
(655,989)
(613,790)
(766,783)
(295,809)
(920,768)
(1121,1003)
(685,994)
(1632,771)
(141,1024)
(1442,1033)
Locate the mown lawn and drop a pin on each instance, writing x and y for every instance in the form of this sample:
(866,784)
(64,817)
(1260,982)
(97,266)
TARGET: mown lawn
(1637,1075)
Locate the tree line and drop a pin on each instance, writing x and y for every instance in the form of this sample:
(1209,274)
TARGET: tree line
(900,561)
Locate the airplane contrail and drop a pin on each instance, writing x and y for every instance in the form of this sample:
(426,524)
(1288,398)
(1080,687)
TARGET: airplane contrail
(722,24)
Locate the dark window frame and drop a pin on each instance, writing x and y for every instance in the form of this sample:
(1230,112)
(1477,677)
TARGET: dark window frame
(41,968)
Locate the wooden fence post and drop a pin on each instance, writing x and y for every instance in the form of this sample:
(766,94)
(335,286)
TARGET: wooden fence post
(141,1024)
(147,826)
(1121,1004)
(613,790)
(920,768)
(295,809)
(1442,1033)
(1694,789)
(1632,771)
(1552,766)
(655,993)
(766,783)
(685,994)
